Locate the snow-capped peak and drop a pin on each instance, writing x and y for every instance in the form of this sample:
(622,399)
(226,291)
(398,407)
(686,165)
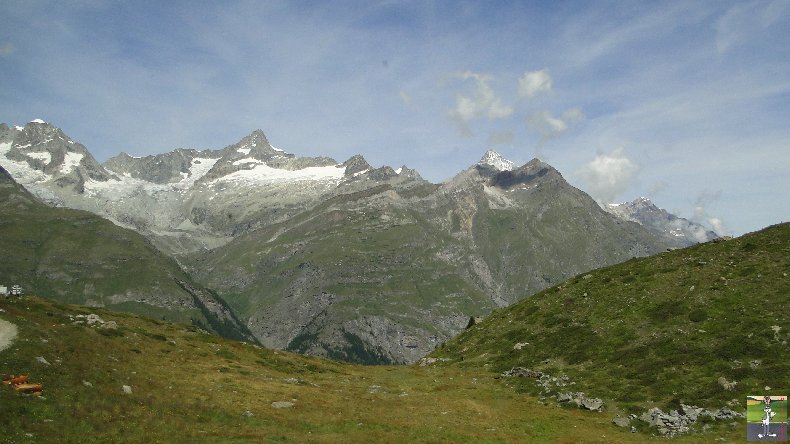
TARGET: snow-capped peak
(37,121)
(494,159)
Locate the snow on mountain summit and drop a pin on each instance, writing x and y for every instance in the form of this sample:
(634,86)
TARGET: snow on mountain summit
(644,212)
(494,159)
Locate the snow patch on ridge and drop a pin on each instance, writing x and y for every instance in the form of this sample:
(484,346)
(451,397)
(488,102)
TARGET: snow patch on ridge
(22,172)
(37,121)
(199,168)
(71,161)
(494,159)
(245,151)
(262,173)
(246,160)
(128,186)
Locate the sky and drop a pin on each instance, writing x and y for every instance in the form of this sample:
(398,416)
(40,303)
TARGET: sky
(687,103)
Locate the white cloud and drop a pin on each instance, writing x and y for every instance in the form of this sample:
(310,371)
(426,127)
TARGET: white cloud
(482,104)
(718,226)
(7,49)
(608,175)
(534,82)
(701,215)
(549,126)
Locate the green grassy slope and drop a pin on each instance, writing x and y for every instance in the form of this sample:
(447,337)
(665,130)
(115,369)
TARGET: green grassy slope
(655,331)
(187,386)
(74,256)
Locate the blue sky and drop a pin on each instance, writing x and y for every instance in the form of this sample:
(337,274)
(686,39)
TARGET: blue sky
(687,103)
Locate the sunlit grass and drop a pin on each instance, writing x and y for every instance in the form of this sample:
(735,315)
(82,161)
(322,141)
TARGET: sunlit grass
(188,386)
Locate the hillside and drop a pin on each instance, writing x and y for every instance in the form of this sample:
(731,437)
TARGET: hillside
(188,386)
(76,257)
(706,326)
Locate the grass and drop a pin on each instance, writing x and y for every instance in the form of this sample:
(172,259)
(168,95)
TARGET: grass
(188,386)
(655,331)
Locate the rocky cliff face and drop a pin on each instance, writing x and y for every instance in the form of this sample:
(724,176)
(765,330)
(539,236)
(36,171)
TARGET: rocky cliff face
(41,157)
(345,260)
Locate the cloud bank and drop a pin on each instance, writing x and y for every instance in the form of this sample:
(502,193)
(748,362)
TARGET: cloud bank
(608,175)
(483,103)
(549,126)
(534,82)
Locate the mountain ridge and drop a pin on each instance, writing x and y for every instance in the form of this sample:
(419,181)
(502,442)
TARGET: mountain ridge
(676,230)
(345,260)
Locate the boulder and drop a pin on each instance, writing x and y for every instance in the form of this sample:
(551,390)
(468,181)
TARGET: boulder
(595,404)
(726,413)
(619,421)
(691,412)
(727,385)
(564,397)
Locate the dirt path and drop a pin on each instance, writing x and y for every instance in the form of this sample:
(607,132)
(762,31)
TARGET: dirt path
(7,334)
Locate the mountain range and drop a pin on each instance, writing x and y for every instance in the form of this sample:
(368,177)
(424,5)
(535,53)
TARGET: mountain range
(341,259)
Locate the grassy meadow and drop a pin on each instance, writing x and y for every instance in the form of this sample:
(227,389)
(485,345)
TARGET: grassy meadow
(189,386)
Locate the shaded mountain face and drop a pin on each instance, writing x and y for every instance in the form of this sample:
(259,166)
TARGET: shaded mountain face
(676,230)
(371,265)
(77,257)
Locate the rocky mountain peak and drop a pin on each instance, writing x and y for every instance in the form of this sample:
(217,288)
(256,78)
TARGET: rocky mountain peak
(493,159)
(641,203)
(531,172)
(356,164)
(257,137)
(407,172)
(255,146)
(40,152)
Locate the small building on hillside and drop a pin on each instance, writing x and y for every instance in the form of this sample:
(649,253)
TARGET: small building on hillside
(16,290)
(3,290)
